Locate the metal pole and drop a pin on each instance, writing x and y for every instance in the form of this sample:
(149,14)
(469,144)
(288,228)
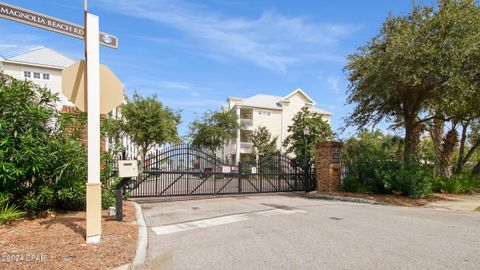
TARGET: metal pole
(119,202)
(240,177)
(307,188)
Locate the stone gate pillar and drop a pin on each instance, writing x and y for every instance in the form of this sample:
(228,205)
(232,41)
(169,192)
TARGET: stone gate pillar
(328,166)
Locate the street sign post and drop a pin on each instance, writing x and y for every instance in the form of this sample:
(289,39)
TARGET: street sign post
(43,21)
(93,37)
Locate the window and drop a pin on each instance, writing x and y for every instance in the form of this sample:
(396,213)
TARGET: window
(36,75)
(264,113)
(46,76)
(27,74)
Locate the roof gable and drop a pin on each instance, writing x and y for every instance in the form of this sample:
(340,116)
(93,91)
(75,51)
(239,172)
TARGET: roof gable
(298,92)
(274,102)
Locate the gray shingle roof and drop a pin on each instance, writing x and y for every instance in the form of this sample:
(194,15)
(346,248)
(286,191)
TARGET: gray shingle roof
(34,55)
(271,102)
(321,111)
(8,51)
(262,101)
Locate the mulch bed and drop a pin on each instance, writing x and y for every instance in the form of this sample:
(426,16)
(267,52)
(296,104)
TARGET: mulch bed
(57,241)
(399,200)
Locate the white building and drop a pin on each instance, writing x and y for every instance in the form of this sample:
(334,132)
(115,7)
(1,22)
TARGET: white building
(273,112)
(131,149)
(39,64)
(43,66)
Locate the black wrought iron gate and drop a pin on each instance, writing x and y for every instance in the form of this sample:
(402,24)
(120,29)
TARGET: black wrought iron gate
(183,170)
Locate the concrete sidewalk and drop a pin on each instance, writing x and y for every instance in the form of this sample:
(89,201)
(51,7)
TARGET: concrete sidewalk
(459,203)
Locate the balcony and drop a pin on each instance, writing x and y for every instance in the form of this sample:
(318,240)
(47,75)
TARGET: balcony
(246,118)
(246,123)
(246,147)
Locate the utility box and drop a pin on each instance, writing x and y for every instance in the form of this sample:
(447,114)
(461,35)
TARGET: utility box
(127,168)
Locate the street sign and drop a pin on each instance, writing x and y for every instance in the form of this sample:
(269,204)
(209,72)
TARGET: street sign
(73,87)
(90,84)
(53,24)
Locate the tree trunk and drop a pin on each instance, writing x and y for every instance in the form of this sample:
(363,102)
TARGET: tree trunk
(412,140)
(436,133)
(476,169)
(462,148)
(470,152)
(143,156)
(449,143)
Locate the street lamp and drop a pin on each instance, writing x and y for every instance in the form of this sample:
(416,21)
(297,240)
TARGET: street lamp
(306,132)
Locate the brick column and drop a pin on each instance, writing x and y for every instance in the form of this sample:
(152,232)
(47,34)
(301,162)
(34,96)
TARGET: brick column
(83,134)
(327,165)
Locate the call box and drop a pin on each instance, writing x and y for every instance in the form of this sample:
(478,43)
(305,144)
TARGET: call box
(127,168)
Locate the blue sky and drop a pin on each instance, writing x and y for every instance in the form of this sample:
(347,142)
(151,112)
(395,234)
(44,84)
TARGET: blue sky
(193,54)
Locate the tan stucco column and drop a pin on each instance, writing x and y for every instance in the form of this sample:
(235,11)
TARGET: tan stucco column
(94,212)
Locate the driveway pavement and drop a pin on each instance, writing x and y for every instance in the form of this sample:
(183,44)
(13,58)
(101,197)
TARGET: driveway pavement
(459,202)
(291,232)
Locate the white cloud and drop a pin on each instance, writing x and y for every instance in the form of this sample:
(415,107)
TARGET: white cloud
(273,41)
(174,85)
(19,38)
(194,104)
(332,82)
(165,88)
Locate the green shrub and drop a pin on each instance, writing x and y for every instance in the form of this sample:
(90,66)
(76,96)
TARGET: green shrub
(371,162)
(108,197)
(413,180)
(9,213)
(219,176)
(30,204)
(457,184)
(72,198)
(42,162)
(109,181)
(370,176)
(4,198)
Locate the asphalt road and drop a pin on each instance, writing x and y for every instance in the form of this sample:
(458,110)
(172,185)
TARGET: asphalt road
(290,232)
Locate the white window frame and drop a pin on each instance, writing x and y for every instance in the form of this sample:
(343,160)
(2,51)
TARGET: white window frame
(36,73)
(264,113)
(47,75)
(27,72)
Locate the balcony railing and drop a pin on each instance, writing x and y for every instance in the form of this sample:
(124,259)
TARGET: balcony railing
(246,122)
(246,146)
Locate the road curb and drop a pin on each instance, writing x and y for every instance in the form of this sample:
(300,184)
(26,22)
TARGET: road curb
(142,241)
(342,198)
